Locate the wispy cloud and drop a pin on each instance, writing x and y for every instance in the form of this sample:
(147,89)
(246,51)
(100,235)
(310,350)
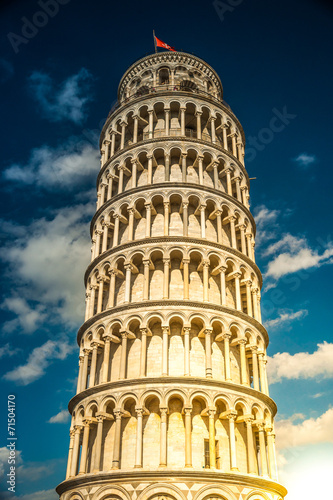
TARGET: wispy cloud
(301,365)
(65,101)
(285,317)
(60,418)
(63,168)
(38,361)
(28,317)
(266,223)
(8,350)
(45,262)
(304,160)
(308,432)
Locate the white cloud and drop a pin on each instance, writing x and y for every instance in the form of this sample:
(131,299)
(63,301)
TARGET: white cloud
(4,453)
(38,361)
(293,261)
(309,432)
(38,495)
(304,159)
(285,317)
(27,318)
(287,242)
(8,350)
(46,263)
(65,167)
(60,418)
(66,101)
(302,364)
(266,222)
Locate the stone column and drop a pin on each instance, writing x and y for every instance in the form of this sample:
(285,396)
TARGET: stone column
(255,303)
(238,191)
(233,231)
(116,230)
(148,219)
(165,347)
(249,247)
(110,185)
(151,123)
(262,446)
(84,452)
(242,343)
(219,226)
(116,442)
(250,445)
(150,169)
(212,128)
(100,293)
(166,217)
(106,359)
(255,367)
(203,221)
(79,378)
(229,187)
(186,330)
(182,121)
(105,236)
(123,358)
(87,311)
(163,437)
(86,353)
(226,338)
(98,446)
(134,172)
(143,355)
(103,193)
(92,377)
(184,173)
(261,371)
(135,129)
(225,138)
(238,293)
(112,287)
(76,450)
(216,175)
(205,272)
(98,232)
(188,437)
(167,121)
(271,453)
(138,451)
(244,198)
(265,375)
(166,278)
(208,352)
(128,268)
(92,299)
(146,264)
(211,427)
(186,263)
(70,453)
(232,441)
(248,284)
(167,168)
(113,142)
(222,270)
(243,241)
(200,160)
(234,148)
(198,115)
(121,179)
(122,140)
(185,219)
(130,224)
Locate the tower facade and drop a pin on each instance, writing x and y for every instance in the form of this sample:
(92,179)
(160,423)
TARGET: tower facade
(172,399)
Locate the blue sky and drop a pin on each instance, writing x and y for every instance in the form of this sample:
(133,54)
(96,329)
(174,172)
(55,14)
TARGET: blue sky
(58,82)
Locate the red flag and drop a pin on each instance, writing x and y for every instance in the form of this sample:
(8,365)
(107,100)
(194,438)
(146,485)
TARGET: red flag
(159,43)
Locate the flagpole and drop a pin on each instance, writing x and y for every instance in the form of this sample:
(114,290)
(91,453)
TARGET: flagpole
(154,41)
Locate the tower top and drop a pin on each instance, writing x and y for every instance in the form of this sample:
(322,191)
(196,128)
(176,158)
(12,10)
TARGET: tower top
(191,70)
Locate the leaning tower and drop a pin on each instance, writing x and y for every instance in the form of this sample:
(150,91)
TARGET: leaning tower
(172,399)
